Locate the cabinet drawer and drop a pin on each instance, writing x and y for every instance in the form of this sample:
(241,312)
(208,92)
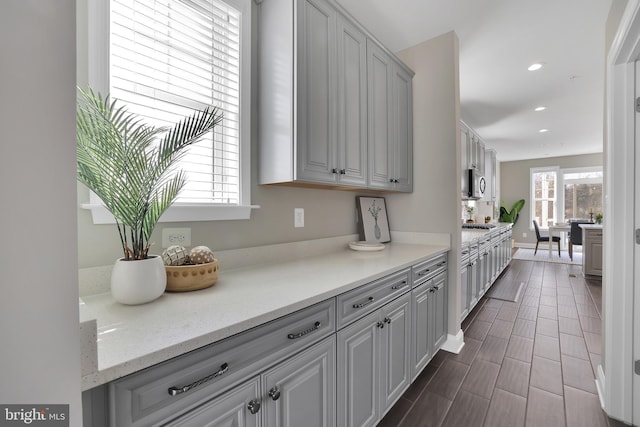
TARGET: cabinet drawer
(180,384)
(465,253)
(358,302)
(429,268)
(485,244)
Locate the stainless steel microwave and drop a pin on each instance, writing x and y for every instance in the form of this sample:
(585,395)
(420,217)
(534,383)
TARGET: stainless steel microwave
(477,184)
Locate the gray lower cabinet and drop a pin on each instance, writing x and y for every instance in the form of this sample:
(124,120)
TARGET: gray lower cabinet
(482,262)
(317,367)
(373,363)
(301,390)
(592,251)
(297,392)
(429,310)
(239,407)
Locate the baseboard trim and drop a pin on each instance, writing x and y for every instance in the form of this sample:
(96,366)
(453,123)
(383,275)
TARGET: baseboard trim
(454,343)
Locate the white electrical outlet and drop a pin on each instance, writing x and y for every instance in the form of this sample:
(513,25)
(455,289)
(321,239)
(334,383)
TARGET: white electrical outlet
(298,217)
(524,235)
(176,236)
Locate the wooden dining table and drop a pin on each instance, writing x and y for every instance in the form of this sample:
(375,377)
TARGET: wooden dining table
(559,228)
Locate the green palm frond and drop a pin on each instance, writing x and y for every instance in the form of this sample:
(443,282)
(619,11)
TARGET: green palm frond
(132,166)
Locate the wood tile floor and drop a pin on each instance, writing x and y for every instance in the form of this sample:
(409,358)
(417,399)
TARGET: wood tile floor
(530,363)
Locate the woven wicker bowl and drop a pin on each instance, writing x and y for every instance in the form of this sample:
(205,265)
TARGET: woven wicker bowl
(183,278)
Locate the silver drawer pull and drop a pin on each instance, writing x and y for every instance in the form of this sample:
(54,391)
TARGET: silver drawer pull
(364,304)
(174,391)
(424,272)
(401,285)
(315,327)
(440,264)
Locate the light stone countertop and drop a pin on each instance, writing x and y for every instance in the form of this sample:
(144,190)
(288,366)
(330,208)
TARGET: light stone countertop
(131,338)
(471,234)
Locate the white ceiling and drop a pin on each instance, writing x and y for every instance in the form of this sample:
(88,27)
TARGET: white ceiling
(499,39)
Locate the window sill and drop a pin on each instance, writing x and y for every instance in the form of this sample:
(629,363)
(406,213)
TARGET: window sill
(180,213)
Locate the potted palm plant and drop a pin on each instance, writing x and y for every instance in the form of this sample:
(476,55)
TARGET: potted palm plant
(131,166)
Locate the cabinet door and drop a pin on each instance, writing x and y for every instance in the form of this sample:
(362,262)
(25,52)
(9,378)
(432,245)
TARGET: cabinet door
(403,130)
(480,157)
(395,348)
(421,339)
(465,161)
(358,365)
(380,83)
(317,90)
(239,407)
(439,309)
(472,151)
(301,390)
(464,290)
(474,290)
(352,104)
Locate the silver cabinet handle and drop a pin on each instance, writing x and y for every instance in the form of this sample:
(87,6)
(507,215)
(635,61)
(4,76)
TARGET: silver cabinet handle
(274,393)
(334,170)
(296,335)
(401,285)
(364,304)
(253,406)
(174,391)
(387,320)
(440,264)
(380,325)
(424,272)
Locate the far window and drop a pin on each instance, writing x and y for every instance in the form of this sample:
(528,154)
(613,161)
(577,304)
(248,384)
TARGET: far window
(582,192)
(544,196)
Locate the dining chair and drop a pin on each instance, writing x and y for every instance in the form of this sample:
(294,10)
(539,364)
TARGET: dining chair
(541,238)
(575,235)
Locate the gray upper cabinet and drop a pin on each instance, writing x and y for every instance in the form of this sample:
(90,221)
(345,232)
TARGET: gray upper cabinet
(390,122)
(315,101)
(490,165)
(317,82)
(352,104)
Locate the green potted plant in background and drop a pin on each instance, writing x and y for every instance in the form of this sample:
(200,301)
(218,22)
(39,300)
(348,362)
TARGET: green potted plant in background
(131,166)
(513,214)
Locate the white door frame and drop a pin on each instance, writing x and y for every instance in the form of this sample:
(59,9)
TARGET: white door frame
(615,380)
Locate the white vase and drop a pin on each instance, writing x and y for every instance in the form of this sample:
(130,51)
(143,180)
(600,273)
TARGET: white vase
(138,282)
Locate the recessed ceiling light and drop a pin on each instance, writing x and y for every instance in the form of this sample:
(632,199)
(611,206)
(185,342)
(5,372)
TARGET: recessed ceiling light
(541,108)
(535,67)
(543,130)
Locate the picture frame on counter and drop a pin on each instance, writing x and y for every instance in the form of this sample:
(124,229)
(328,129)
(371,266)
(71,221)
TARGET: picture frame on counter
(373,222)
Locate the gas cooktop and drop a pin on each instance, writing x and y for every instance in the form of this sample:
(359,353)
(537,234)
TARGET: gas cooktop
(479,226)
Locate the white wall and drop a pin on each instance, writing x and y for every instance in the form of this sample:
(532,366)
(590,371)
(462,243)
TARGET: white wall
(39,347)
(434,205)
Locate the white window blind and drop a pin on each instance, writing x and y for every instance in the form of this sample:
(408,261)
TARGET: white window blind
(169,57)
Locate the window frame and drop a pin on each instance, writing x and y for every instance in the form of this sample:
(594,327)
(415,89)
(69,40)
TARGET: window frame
(532,208)
(98,78)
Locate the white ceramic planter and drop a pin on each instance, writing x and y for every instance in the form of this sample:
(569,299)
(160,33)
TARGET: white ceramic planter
(138,282)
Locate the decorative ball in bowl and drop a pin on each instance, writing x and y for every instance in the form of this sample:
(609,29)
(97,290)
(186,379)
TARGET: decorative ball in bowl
(183,278)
